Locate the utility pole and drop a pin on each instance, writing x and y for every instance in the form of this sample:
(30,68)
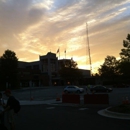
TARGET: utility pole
(88,49)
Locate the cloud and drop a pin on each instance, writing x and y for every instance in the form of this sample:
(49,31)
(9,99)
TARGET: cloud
(16,16)
(39,26)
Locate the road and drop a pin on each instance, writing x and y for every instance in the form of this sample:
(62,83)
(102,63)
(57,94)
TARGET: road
(56,117)
(51,117)
(43,93)
(115,97)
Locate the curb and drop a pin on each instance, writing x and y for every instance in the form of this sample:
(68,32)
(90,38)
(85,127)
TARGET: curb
(107,113)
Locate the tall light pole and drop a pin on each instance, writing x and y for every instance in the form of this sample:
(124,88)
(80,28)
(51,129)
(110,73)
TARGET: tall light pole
(88,49)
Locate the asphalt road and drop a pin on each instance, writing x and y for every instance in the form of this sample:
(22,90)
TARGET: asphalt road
(43,93)
(54,117)
(115,97)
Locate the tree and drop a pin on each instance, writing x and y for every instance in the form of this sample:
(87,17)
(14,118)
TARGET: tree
(125,52)
(8,68)
(120,69)
(124,68)
(69,71)
(109,67)
(69,64)
(124,65)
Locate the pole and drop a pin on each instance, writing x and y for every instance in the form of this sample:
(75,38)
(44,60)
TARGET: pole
(59,53)
(88,49)
(65,54)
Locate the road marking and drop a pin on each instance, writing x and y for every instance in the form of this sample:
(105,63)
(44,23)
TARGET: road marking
(50,108)
(82,109)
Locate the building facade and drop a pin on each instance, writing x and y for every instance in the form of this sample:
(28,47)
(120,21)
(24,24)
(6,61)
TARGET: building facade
(44,72)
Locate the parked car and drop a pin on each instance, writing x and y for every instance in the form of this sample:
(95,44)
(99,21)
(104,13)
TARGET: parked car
(88,87)
(100,88)
(121,85)
(73,89)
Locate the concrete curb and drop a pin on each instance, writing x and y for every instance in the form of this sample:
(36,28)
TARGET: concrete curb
(107,113)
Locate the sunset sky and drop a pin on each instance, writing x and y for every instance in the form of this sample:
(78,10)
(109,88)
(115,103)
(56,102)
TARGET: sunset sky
(35,27)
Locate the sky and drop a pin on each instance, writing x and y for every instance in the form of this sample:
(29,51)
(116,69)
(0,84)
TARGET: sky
(35,27)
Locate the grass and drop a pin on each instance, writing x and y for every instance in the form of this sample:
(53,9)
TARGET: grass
(123,108)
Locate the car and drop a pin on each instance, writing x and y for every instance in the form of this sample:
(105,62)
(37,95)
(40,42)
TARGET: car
(121,85)
(100,88)
(73,89)
(88,87)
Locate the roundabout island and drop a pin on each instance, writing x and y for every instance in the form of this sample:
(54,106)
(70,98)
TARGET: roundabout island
(120,112)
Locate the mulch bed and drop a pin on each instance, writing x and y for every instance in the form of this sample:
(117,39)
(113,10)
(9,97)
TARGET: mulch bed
(123,108)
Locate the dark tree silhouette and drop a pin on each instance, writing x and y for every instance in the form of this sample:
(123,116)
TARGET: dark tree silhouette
(70,72)
(120,69)
(8,68)
(124,65)
(109,67)
(125,52)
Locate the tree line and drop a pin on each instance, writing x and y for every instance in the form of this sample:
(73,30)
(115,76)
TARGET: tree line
(117,70)
(112,69)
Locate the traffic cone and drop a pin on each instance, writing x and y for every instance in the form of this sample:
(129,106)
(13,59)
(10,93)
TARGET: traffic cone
(58,98)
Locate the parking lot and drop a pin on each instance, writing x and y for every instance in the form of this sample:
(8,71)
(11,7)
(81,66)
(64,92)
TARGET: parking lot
(46,93)
(50,116)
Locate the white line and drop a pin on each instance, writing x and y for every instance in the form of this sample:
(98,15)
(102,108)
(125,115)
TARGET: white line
(81,109)
(50,107)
